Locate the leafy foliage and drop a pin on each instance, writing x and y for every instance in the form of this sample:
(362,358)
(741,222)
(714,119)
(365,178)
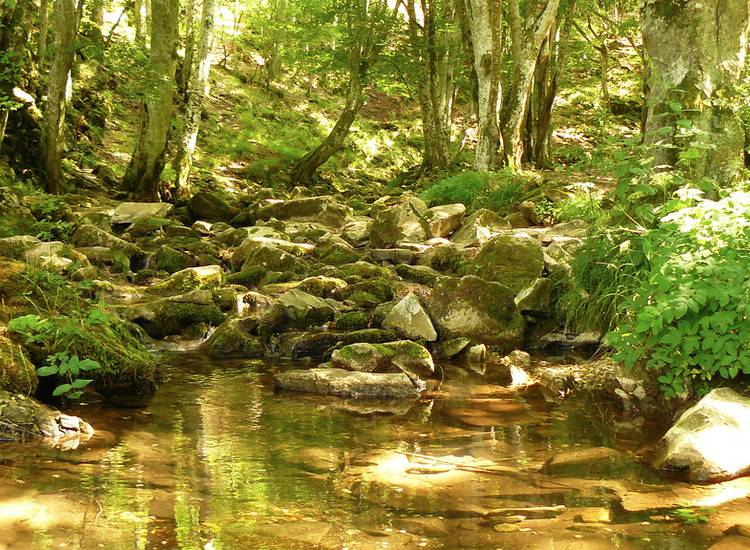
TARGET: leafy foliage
(688,317)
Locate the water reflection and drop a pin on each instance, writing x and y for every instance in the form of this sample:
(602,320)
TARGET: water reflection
(217,460)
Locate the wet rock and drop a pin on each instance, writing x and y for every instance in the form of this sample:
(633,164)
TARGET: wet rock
(128,212)
(344,383)
(512,261)
(535,299)
(479,228)
(476,354)
(369,335)
(518,359)
(563,340)
(401,356)
(409,319)
(711,440)
(307,345)
(232,340)
(322,209)
(404,222)
(445,219)
(596,463)
(192,278)
(480,310)
(296,309)
(23,418)
(173,315)
(211,206)
(454,346)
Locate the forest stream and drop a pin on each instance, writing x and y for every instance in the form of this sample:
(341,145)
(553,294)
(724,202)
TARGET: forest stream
(217,459)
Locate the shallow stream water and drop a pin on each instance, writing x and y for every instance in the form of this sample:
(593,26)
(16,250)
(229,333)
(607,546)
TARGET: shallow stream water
(217,459)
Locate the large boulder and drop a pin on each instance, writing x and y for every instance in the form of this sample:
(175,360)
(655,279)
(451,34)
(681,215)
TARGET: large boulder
(173,315)
(295,309)
(232,340)
(480,310)
(128,212)
(409,319)
(514,261)
(344,383)
(402,356)
(268,257)
(16,247)
(211,206)
(323,209)
(710,441)
(479,228)
(445,219)
(23,418)
(192,278)
(404,222)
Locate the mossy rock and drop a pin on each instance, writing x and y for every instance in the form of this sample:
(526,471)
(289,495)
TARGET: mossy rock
(369,335)
(170,260)
(352,320)
(192,278)
(480,310)
(17,373)
(12,279)
(252,277)
(363,270)
(421,274)
(274,259)
(169,317)
(404,355)
(211,206)
(513,261)
(231,341)
(374,291)
(144,226)
(339,254)
(442,258)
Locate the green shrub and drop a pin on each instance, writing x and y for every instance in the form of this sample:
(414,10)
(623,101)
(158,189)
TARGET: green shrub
(464,187)
(688,318)
(579,206)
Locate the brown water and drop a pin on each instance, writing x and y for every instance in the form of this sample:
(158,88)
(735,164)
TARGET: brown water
(216,459)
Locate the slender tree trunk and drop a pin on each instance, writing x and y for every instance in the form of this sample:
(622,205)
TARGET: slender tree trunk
(305,169)
(191,26)
(145,168)
(273,64)
(197,93)
(604,72)
(139,15)
(41,48)
(486,18)
(97,14)
(697,57)
(516,105)
(58,93)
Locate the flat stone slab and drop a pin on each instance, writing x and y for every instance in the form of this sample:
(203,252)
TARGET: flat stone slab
(127,212)
(343,383)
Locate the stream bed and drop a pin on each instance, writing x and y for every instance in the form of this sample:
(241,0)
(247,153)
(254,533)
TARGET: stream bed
(217,460)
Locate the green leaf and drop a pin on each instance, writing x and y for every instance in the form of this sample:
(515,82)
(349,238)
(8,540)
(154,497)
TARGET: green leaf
(81,383)
(61,389)
(47,371)
(88,365)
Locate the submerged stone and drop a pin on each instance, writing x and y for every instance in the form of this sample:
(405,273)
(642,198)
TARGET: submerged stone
(344,383)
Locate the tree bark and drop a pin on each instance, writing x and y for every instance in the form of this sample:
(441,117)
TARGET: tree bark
(306,167)
(41,48)
(697,57)
(516,105)
(191,24)
(485,19)
(273,63)
(139,16)
(197,93)
(58,93)
(145,168)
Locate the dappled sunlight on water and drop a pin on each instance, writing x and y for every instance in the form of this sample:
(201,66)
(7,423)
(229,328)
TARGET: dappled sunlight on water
(217,460)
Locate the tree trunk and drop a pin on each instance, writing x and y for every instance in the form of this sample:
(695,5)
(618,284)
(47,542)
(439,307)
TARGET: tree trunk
(434,89)
(273,63)
(191,24)
(58,93)
(197,93)
(145,168)
(697,57)
(604,72)
(41,48)
(97,14)
(486,18)
(516,105)
(139,15)
(306,167)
